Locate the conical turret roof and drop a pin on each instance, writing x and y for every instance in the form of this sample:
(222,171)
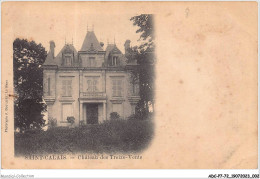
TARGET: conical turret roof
(91,43)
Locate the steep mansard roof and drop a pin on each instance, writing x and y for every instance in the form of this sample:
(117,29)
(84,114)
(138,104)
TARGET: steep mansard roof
(49,59)
(112,49)
(91,43)
(68,48)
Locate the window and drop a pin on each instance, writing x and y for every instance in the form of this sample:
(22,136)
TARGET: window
(92,62)
(117,87)
(134,85)
(67,60)
(135,89)
(49,87)
(92,85)
(66,88)
(114,61)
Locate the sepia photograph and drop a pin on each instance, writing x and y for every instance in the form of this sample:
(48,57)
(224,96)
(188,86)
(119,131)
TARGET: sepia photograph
(96,98)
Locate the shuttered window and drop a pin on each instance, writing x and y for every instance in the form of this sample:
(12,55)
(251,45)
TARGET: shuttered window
(117,87)
(49,87)
(92,85)
(66,88)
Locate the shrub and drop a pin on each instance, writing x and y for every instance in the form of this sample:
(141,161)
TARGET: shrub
(71,120)
(133,117)
(141,116)
(81,123)
(114,116)
(33,131)
(112,136)
(52,122)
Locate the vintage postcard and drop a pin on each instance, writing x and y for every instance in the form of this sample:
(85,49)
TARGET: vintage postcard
(129,85)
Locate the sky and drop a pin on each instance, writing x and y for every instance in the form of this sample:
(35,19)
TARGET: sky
(64,26)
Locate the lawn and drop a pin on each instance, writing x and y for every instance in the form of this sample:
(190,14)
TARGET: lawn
(114,136)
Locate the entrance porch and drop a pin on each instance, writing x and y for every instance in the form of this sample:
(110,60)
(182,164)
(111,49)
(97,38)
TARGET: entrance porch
(92,112)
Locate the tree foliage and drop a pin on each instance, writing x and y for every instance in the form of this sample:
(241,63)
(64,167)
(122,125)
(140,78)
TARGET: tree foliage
(144,54)
(146,30)
(28,76)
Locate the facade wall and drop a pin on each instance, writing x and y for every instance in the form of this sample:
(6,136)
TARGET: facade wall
(100,113)
(49,78)
(61,102)
(64,100)
(97,75)
(99,59)
(49,89)
(65,105)
(113,102)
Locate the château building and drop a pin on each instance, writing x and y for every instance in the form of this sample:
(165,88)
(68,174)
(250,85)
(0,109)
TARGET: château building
(89,84)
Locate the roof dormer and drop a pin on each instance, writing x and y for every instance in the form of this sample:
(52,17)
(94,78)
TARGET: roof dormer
(68,56)
(114,57)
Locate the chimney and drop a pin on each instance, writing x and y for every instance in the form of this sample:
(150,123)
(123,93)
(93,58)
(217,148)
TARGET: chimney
(52,46)
(127,46)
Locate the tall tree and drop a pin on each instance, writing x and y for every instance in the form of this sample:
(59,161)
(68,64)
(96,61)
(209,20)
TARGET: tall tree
(144,54)
(146,30)
(28,76)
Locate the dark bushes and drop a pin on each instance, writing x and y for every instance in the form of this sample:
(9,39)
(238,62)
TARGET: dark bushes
(114,116)
(112,136)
